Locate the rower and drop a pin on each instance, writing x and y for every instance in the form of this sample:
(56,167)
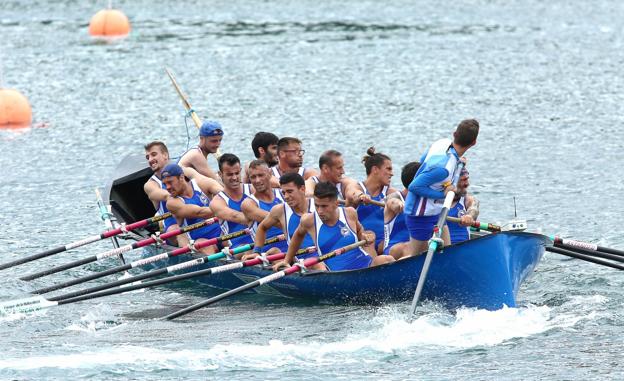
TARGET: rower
(466,207)
(264,147)
(227,204)
(189,201)
(157,156)
(210,136)
(330,226)
(331,165)
(287,216)
(257,206)
(396,235)
(433,181)
(375,187)
(291,159)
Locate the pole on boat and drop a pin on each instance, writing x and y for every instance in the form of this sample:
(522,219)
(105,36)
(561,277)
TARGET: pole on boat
(107,234)
(105,215)
(39,302)
(267,279)
(122,249)
(433,242)
(141,262)
(187,105)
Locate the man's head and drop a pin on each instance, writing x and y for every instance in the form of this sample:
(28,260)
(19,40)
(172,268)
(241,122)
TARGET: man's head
(466,133)
(210,136)
(174,180)
(463,183)
(230,170)
(408,172)
(157,155)
(331,165)
(264,146)
(378,166)
(326,200)
(293,188)
(260,176)
(290,152)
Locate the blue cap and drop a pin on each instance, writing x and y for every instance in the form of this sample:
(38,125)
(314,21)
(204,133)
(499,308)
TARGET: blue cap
(171,170)
(210,128)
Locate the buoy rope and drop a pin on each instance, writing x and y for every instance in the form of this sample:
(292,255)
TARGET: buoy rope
(188,135)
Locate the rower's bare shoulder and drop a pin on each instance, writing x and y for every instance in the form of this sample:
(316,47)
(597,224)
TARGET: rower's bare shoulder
(307,220)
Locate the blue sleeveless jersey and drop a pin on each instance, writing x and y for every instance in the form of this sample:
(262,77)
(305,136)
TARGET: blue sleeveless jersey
(371,216)
(329,238)
(162,205)
(200,199)
(275,171)
(273,231)
(395,231)
(458,233)
(292,223)
(228,227)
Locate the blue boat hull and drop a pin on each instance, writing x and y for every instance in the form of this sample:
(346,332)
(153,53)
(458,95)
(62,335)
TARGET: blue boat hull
(485,273)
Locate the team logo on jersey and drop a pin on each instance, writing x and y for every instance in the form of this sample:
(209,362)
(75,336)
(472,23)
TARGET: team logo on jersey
(344,231)
(204,199)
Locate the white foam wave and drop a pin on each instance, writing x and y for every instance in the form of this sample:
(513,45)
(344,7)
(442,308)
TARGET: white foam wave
(387,333)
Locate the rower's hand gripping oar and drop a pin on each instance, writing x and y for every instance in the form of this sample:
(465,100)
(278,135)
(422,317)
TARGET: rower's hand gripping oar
(267,279)
(142,262)
(88,240)
(122,249)
(477,224)
(187,105)
(167,270)
(433,242)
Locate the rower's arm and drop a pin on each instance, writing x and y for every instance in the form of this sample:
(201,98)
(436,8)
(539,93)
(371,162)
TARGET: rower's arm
(352,193)
(181,210)
(197,161)
(309,172)
(472,206)
(421,185)
(310,185)
(225,213)
(394,206)
(305,224)
(272,219)
(155,193)
(252,211)
(208,185)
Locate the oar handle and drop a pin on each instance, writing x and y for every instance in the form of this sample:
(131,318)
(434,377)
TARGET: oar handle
(380,204)
(477,224)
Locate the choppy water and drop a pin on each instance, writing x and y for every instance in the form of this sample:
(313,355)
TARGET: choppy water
(542,77)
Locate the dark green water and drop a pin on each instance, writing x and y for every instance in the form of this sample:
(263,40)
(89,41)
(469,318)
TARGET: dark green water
(542,77)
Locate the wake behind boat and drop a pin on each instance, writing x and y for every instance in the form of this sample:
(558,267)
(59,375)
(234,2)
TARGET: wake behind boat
(485,272)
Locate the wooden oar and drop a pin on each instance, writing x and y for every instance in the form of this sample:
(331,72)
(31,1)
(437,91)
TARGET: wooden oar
(85,241)
(433,243)
(267,279)
(477,224)
(587,258)
(105,215)
(123,249)
(39,302)
(166,270)
(142,262)
(187,105)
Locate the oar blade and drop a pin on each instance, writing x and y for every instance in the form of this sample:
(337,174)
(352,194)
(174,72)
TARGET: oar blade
(25,305)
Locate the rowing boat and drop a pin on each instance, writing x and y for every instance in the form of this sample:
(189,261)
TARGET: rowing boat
(485,272)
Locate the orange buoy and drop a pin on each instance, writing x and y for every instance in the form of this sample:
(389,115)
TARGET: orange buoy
(109,23)
(15,110)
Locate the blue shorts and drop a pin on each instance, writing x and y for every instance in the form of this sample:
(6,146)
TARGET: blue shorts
(421,228)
